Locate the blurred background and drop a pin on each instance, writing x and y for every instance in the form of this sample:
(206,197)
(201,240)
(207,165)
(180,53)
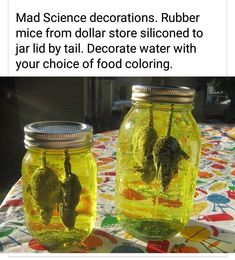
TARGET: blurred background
(100,102)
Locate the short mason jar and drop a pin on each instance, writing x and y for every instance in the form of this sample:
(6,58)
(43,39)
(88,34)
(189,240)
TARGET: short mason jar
(59,182)
(157,162)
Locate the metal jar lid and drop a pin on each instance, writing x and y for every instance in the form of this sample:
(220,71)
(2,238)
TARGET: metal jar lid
(167,94)
(57,135)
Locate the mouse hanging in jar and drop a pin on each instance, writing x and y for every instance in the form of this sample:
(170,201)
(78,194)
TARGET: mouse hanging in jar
(44,188)
(167,154)
(143,141)
(70,195)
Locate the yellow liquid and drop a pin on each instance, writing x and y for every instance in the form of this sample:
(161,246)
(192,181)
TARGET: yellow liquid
(55,234)
(145,210)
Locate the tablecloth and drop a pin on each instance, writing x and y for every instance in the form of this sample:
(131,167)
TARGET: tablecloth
(211,228)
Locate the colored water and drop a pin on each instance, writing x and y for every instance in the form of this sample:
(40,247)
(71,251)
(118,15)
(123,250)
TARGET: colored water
(55,234)
(145,210)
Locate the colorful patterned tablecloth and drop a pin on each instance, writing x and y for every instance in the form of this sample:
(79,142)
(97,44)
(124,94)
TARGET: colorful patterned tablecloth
(210,230)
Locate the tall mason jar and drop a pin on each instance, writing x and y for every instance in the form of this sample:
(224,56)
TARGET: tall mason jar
(59,182)
(157,162)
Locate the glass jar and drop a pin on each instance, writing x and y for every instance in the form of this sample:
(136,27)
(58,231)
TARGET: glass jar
(59,182)
(157,162)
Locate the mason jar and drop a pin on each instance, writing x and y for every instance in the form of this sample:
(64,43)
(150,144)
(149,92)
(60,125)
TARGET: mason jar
(59,182)
(157,162)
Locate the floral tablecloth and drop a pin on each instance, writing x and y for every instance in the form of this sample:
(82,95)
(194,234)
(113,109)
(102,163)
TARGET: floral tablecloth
(210,230)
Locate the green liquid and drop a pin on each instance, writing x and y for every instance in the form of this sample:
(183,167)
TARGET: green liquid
(56,234)
(146,229)
(55,240)
(146,210)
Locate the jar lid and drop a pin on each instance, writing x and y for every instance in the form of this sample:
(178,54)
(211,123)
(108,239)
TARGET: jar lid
(57,134)
(167,94)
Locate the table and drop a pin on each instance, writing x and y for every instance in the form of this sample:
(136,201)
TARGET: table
(211,228)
